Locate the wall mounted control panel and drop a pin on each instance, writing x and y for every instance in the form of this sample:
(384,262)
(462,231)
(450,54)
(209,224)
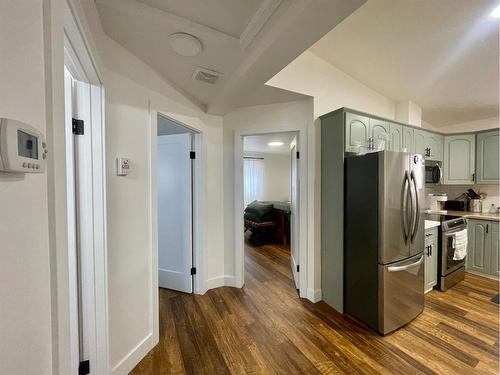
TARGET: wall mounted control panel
(22,147)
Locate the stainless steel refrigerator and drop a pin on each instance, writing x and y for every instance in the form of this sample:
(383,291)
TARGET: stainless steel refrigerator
(384,238)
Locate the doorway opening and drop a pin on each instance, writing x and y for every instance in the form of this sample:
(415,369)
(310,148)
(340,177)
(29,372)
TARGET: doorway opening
(175,182)
(271,191)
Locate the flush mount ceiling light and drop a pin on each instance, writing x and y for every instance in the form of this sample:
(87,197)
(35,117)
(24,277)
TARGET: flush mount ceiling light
(275,144)
(185,44)
(496,12)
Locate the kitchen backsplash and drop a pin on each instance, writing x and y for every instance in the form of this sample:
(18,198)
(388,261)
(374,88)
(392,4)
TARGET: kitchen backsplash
(454,191)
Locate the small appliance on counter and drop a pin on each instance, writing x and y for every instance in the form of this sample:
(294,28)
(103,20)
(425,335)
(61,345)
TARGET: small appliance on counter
(436,202)
(455,205)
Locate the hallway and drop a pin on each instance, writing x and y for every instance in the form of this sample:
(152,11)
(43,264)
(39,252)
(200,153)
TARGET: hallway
(265,328)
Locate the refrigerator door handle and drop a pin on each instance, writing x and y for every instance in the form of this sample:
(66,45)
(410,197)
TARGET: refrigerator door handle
(417,208)
(406,266)
(404,206)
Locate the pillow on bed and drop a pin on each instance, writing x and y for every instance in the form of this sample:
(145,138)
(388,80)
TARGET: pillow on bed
(259,211)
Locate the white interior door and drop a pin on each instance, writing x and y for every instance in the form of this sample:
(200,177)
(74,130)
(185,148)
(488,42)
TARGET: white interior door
(294,213)
(175,257)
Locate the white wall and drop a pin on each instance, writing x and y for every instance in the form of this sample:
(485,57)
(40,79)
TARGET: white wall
(330,87)
(132,88)
(276,176)
(25,294)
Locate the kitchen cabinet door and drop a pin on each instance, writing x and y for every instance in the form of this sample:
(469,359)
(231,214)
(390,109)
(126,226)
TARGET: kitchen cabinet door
(408,144)
(479,246)
(395,137)
(379,133)
(459,159)
(431,258)
(357,132)
(434,143)
(419,145)
(487,157)
(495,249)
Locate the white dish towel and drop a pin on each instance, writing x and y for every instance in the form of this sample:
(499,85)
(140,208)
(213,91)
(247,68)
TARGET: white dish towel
(459,243)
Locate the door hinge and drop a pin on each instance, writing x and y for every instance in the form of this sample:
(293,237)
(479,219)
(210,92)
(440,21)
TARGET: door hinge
(298,268)
(84,368)
(193,270)
(192,155)
(78,127)
(298,155)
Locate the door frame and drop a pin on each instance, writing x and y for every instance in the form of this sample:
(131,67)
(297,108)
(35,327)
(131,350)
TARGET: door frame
(239,204)
(199,285)
(79,61)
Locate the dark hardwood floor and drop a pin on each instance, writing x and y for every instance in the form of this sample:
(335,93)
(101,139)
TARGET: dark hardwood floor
(265,328)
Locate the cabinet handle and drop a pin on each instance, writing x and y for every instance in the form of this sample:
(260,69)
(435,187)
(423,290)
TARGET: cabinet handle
(430,250)
(473,177)
(428,235)
(487,228)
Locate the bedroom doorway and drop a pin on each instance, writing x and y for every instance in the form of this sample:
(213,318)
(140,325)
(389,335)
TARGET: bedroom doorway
(271,191)
(175,158)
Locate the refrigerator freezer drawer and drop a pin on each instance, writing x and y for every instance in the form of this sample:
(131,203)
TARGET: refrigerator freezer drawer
(401,292)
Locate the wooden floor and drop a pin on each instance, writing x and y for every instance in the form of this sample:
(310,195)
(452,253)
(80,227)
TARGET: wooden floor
(266,328)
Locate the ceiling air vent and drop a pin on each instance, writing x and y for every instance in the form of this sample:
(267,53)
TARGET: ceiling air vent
(206,75)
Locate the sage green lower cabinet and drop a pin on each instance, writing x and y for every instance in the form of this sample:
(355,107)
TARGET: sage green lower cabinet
(395,137)
(431,258)
(459,159)
(487,162)
(483,247)
(495,250)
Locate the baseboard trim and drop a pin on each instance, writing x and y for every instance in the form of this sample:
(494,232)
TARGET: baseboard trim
(314,295)
(219,281)
(133,357)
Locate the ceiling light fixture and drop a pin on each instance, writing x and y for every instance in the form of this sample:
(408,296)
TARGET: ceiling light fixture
(185,44)
(496,12)
(275,144)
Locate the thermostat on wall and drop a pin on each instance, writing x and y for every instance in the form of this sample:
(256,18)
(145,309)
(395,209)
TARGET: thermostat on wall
(122,166)
(22,147)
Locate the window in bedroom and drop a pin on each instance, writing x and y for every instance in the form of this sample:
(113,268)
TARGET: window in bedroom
(253,170)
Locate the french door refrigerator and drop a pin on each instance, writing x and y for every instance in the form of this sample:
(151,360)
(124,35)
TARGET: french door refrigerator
(384,238)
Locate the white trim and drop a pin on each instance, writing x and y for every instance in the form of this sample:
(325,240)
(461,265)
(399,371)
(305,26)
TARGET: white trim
(314,295)
(219,281)
(134,356)
(81,63)
(239,255)
(492,277)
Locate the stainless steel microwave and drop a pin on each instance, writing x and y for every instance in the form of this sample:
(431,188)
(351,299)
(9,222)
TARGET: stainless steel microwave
(433,172)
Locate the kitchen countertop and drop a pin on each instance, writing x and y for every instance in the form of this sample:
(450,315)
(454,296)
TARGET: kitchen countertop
(467,215)
(431,224)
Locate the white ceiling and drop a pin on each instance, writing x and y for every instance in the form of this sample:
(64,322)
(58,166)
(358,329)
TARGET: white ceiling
(258,144)
(248,41)
(442,54)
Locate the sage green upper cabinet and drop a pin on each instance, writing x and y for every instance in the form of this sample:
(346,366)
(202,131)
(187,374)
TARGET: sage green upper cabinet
(479,246)
(459,159)
(357,132)
(428,144)
(495,249)
(379,133)
(487,157)
(395,137)
(419,142)
(434,144)
(408,141)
